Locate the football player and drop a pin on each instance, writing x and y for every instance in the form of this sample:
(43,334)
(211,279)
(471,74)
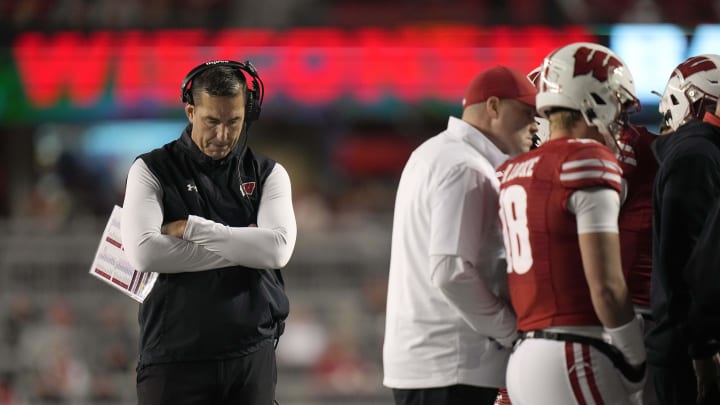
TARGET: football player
(559,204)
(686,335)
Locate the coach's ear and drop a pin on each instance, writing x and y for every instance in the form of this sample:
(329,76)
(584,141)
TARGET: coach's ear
(492,106)
(189,111)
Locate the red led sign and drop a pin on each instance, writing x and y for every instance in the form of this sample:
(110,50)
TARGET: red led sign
(307,66)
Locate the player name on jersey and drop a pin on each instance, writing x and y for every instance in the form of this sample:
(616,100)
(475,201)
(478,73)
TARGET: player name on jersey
(522,169)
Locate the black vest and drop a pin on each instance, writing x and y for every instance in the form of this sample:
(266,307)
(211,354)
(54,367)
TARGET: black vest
(220,313)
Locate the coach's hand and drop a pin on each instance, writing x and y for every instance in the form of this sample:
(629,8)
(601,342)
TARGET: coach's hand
(707,373)
(175,228)
(508,342)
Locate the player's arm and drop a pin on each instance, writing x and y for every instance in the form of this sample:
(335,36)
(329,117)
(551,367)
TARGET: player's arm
(146,247)
(267,246)
(596,211)
(464,222)
(702,269)
(685,206)
(688,244)
(593,177)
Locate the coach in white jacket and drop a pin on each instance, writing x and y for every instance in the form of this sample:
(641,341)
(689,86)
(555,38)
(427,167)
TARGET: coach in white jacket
(449,325)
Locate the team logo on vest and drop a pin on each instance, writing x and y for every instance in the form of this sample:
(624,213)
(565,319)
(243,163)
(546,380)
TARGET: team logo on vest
(248,188)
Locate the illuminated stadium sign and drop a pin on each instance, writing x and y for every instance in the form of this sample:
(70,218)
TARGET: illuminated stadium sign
(121,74)
(133,72)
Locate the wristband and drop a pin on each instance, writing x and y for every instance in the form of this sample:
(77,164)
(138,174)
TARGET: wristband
(628,339)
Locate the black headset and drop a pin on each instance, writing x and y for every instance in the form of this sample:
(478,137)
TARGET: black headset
(255,93)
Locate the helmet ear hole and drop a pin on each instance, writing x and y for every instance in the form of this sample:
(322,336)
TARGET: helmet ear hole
(598,100)
(674,99)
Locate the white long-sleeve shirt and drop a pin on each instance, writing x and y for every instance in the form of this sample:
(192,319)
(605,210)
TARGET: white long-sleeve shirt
(447,292)
(206,244)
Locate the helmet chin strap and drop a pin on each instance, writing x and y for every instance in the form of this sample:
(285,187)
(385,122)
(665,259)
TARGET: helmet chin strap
(610,142)
(609,132)
(609,138)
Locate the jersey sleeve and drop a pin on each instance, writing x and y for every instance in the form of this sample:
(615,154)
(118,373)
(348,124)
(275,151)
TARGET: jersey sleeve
(591,166)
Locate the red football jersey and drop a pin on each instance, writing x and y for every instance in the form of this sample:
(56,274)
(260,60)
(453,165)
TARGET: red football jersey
(639,167)
(545,272)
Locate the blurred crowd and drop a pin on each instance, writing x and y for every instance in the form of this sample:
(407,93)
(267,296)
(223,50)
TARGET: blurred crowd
(20,15)
(60,352)
(80,346)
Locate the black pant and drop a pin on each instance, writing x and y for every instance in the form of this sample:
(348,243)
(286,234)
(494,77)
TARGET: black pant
(452,395)
(248,380)
(674,385)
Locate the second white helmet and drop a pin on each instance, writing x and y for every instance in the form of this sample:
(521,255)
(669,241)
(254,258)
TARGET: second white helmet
(693,89)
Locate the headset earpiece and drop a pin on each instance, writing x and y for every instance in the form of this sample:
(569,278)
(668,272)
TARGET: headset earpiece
(252,112)
(255,87)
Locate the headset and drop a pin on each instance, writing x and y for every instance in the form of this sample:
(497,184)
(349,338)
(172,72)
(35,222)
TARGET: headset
(255,93)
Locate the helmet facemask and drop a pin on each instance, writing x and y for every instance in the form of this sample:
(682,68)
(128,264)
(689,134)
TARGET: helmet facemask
(543,133)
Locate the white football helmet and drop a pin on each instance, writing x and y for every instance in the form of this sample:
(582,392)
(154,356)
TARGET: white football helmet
(543,133)
(693,88)
(589,78)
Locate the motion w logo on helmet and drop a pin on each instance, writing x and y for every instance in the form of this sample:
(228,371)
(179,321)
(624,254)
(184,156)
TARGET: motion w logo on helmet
(694,65)
(596,62)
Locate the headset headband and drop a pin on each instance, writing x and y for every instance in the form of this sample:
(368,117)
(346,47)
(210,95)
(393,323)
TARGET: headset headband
(255,94)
